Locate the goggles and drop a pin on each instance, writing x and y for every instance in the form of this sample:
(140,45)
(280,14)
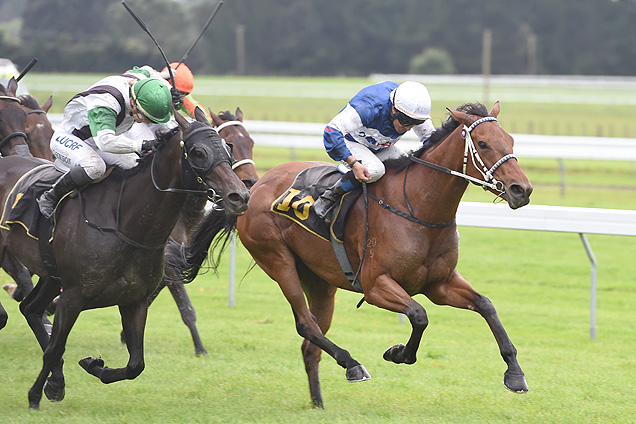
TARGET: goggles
(406,120)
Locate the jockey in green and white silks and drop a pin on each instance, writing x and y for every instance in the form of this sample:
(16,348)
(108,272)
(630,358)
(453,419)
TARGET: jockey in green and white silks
(92,133)
(363,135)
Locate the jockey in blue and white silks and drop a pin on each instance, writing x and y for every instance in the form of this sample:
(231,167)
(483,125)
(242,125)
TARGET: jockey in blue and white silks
(364,133)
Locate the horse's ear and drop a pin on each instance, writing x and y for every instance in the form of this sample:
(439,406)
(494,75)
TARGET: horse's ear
(47,105)
(183,123)
(461,117)
(199,115)
(12,87)
(239,114)
(216,120)
(495,109)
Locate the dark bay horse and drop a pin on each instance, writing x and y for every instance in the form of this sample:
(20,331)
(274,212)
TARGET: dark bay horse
(230,127)
(109,244)
(412,253)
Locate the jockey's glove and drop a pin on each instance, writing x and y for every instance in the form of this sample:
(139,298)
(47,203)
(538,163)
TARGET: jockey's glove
(147,146)
(176,98)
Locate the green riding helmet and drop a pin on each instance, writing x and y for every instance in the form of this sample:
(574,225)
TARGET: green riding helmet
(153,99)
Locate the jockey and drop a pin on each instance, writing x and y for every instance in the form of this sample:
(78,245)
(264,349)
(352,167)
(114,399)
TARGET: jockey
(91,135)
(184,82)
(363,135)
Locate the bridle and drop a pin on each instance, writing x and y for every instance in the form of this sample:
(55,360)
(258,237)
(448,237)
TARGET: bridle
(489,181)
(237,163)
(17,133)
(194,174)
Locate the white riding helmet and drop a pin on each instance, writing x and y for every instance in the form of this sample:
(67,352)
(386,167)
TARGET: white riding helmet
(412,99)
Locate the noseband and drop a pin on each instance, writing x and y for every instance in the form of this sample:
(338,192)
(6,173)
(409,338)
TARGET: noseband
(237,163)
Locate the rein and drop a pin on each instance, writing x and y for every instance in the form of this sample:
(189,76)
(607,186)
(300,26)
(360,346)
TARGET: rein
(474,155)
(239,124)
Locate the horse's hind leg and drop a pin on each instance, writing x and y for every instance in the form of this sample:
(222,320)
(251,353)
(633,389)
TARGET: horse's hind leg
(457,292)
(321,298)
(20,274)
(188,315)
(133,318)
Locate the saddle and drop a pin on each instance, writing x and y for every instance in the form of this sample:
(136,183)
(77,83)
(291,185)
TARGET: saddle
(21,207)
(296,204)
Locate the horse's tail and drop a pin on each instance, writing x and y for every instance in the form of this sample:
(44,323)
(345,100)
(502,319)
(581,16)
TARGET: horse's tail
(214,230)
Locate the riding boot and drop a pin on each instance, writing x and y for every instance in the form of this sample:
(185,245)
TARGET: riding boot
(73,179)
(328,199)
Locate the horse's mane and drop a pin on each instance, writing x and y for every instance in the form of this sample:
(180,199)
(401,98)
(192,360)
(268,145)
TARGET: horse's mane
(439,134)
(29,101)
(162,137)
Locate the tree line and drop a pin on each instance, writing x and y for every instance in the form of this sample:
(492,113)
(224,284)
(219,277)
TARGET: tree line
(326,37)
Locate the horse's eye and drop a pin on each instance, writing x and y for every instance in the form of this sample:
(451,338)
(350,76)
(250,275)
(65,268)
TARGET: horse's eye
(482,144)
(198,157)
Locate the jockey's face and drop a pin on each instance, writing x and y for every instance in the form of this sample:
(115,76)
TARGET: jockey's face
(139,117)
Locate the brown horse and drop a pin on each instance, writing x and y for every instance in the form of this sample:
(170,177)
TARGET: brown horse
(109,243)
(412,238)
(12,133)
(231,128)
(12,122)
(38,127)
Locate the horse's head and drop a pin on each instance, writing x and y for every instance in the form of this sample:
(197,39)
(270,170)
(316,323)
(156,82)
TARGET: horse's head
(490,157)
(231,128)
(12,122)
(209,159)
(38,127)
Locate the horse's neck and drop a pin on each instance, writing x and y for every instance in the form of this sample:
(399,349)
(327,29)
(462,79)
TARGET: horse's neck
(152,210)
(434,195)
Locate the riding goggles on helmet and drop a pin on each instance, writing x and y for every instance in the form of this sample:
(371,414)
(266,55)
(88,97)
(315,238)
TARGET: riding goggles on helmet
(406,120)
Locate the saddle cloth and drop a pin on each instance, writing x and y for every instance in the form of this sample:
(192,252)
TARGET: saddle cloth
(21,207)
(296,202)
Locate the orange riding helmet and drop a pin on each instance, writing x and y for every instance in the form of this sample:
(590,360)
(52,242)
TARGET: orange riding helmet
(183,78)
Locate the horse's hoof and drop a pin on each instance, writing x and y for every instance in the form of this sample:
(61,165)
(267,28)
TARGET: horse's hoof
(90,364)
(396,354)
(34,400)
(357,373)
(318,404)
(10,289)
(200,352)
(516,383)
(54,394)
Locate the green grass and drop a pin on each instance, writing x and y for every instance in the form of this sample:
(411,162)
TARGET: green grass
(538,281)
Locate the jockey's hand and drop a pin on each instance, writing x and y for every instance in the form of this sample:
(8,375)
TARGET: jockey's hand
(176,98)
(147,146)
(361,172)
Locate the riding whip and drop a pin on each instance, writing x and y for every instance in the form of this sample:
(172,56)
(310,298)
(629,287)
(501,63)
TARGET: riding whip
(207,24)
(145,28)
(27,69)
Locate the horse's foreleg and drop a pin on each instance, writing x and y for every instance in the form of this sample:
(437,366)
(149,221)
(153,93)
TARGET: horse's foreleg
(133,318)
(33,307)
(386,293)
(3,317)
(457,292)
(188,315)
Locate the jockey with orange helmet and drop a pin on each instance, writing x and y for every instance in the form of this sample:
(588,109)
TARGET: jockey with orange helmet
(363,135)
(184,82)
